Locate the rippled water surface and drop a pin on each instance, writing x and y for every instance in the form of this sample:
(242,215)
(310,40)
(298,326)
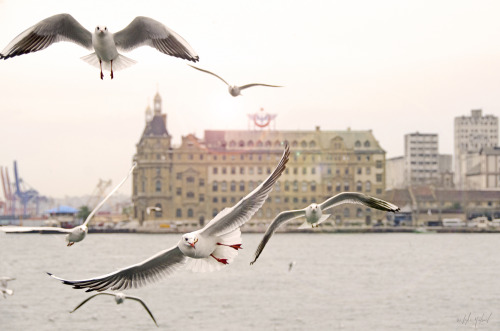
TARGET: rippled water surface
(338,282)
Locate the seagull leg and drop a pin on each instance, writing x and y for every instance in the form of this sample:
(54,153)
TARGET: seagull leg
(111,69)
(237,246)
(223,261)
(100,65)
(70,244)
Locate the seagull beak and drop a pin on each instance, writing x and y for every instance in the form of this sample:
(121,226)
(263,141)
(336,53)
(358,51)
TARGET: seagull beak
(192,245)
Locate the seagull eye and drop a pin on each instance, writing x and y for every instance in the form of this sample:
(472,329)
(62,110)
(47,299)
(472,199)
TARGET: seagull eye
(97,28)
(105,28)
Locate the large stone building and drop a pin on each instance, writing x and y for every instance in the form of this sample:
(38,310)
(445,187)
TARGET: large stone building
(485,170)
(201,177)
(421,164)
(472,133)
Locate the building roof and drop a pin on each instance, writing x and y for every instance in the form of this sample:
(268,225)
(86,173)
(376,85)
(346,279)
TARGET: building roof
(156,127)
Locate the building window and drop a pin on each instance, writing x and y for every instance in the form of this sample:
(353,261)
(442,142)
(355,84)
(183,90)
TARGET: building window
(158,171)
(368,170)
(379,191)
(346,212)
(313,170)
(346,171)
(346,186)
(295,186)
(359,213)
(190,179)
(178,213)
(158,210)
(215,170)
(190,213)
(379,177)
(304,186)
(190,195)
(158,186)
(215,186)
(359,186)
(313,186)
(223,186)
(178,191)
(277,187)
(242,186)
(214,212)
(201,182)
(304,171)
(359,171)
(338,187)
(242,170)
(259,170)
(224,170)
(233,170)
(215,199)
(378,164)
(233,186)
(367,143)
(178,175)
(250,170)
(201,198)
(250,185)
(287,186)
(368,186)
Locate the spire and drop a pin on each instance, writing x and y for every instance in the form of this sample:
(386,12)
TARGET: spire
(157,104)
(149,114)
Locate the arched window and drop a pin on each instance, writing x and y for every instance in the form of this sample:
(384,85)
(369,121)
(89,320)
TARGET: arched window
(367,143)
(159,210)
(241,143)
(259,143)
(190,213)
(303,144)
(268,143)
(312,144)
(158,186)
(215,186)
(250,143)
(277,143)
(357,143)
(232,144)
(295,143)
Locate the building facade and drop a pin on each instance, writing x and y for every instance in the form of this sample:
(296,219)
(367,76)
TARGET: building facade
(202,176)
(472,133)
(485,170)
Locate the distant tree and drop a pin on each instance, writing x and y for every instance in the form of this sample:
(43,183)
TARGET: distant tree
(83,212)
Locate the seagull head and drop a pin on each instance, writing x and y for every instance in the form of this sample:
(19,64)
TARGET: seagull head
(189,239)
(313,208)
(101,30)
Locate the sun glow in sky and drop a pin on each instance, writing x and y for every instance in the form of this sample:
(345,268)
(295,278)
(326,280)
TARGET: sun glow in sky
(394,67)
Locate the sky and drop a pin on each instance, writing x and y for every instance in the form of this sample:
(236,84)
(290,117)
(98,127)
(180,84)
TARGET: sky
(393,67)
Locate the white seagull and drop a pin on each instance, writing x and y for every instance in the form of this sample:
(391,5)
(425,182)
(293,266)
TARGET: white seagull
(75,234)
(314,213)
(233,89)
(63,27)
(3,286)
(207,249)
(119,298)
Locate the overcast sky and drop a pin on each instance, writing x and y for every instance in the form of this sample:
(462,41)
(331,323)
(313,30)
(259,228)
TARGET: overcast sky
(394,67)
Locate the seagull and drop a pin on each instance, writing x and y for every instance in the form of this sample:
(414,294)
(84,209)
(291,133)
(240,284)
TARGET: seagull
(207,249)
(119,298)
(314,213)
(63,27)
(3,286)
(233,89)
(290,266)
(75,234)
(149,209)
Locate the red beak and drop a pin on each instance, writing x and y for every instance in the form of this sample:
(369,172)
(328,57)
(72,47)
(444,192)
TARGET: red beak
(192,245)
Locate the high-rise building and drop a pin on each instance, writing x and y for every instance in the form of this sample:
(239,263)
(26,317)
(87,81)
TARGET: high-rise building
(472,133)
(202,176)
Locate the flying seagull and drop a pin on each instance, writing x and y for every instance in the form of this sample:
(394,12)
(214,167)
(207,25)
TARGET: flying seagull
(207,249)
(119,298)
(233,89)
(106,45)
(75,234)
(3,286)
(314,213)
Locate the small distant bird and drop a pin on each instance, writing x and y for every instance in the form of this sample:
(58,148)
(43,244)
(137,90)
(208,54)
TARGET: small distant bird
(290,266)
(314,213)
(3,286)
(233,89)
(140,32)
(149,209)
(207,249)
(75,234)
(119,298)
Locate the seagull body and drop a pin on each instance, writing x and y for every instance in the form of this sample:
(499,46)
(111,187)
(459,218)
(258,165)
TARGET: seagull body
(314,213)
(63,27)
(75,234)
(233,89)
(119,299)
(3,286)
(208,249)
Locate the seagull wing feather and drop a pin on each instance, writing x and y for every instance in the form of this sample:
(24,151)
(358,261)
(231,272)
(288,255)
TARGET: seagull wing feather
(150,270)
(144,305)
(231,218)
(144,31)
(90,297)
(60,27)
(256,84)
(360,199)
(209,72)
(282,218)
